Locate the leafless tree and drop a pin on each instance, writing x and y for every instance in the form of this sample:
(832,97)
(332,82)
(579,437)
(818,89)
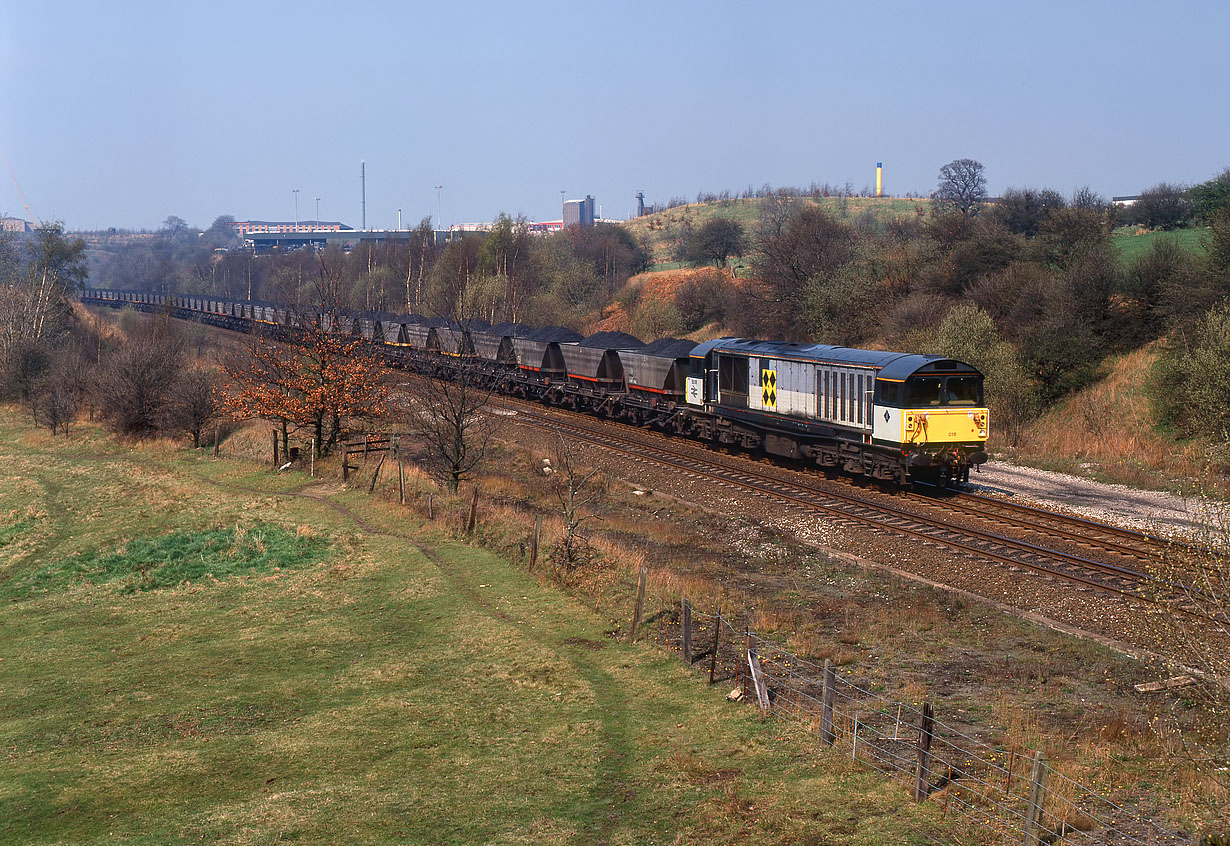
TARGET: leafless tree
(37,285)
(962,187)
(575,489)
(446,410)
(195,403)
(58,400)
(136,386)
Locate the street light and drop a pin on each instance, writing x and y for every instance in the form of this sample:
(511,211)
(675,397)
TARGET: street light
(295,191)
(399,220)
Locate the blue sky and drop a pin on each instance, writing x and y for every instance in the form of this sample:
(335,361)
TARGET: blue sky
(122,113)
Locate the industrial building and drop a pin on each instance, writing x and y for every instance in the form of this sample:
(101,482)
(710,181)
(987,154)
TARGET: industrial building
(245,227)
(579,212)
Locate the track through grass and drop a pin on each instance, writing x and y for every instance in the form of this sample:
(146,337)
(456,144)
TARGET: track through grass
(362,678)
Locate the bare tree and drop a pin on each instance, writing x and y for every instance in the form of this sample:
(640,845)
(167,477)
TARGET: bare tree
(575,490)
(35,295)
(445,409)
(1162,206)
(962,188)
(136,385)
(196,402)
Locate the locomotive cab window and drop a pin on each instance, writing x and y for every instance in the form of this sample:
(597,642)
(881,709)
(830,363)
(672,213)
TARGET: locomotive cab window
(887,393)
(924,390)
(964,390)
(943,390)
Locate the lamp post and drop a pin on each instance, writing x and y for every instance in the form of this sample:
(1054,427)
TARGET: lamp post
(399,220)
(295,191)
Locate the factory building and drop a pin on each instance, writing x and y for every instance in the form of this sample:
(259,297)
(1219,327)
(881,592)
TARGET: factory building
(579,212)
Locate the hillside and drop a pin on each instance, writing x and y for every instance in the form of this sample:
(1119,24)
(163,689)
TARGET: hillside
(662,230)
(1107,431)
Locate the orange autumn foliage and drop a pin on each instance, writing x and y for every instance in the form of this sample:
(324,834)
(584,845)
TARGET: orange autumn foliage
(314,380)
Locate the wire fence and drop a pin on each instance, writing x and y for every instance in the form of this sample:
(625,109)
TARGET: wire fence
(989,792)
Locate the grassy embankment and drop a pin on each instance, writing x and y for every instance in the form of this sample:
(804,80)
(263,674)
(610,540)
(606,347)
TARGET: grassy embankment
(1107,431)
(660,230)
(309,674)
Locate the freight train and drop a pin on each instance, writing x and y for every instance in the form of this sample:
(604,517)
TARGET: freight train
(895,417)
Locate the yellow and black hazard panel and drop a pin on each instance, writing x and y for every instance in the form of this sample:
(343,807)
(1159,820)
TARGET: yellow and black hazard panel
(768,389)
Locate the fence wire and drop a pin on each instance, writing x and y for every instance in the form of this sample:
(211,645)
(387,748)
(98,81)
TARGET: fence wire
(982,785)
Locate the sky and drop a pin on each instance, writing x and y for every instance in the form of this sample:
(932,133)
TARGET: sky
(123,113)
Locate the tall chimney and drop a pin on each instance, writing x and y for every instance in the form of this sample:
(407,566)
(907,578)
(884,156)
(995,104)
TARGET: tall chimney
(879,178)
(363,186)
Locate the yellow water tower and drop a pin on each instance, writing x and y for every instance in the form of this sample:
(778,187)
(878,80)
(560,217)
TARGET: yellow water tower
(879,178)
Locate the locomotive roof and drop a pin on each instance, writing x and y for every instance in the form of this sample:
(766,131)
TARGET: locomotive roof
(896,366)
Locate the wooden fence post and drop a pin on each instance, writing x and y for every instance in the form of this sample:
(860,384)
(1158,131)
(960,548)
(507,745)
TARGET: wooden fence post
(215,440)
(640,601)
(922,773)
(1037,798)
(372,487)
(431,509)
(473,512)
(827,735)
(313,470)
(758,681)
(275,449)
(345,464)
(534,541)
(717,641)
(685,634)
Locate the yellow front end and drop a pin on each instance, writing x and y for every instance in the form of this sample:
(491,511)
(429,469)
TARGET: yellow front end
(945,425)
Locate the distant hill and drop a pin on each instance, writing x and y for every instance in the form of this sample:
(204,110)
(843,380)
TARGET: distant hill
(663,230)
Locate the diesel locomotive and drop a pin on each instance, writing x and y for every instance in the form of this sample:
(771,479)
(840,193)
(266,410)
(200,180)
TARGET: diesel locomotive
(892,416)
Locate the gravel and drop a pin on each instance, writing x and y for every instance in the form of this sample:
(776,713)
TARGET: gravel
(1152,511)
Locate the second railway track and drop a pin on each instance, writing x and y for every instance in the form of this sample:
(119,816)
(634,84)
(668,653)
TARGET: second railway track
(1113,577)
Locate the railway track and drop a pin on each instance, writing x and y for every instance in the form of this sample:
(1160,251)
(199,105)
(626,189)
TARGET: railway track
(1111,577)
(1081,530)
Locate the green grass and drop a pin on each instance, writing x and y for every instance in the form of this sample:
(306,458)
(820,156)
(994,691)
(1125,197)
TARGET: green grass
(182,556)
(1132,246)
(341,682)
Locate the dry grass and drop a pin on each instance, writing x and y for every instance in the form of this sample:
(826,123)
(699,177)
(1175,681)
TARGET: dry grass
(1107,430)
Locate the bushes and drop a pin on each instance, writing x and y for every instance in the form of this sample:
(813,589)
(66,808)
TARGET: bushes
(969,334)
(1190,383)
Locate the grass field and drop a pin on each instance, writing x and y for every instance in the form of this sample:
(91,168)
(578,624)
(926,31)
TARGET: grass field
(1132,245)
(196,650)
